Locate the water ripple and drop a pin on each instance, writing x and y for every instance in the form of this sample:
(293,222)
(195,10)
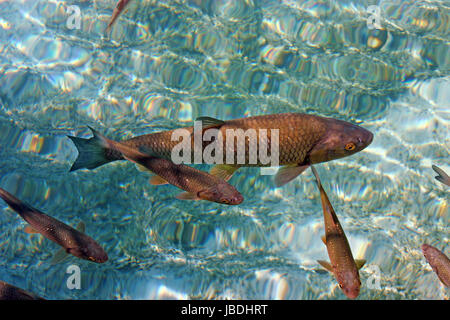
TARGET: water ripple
(166,63)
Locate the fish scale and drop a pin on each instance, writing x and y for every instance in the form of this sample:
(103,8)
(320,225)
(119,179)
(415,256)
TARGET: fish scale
(439,262)
(297,135)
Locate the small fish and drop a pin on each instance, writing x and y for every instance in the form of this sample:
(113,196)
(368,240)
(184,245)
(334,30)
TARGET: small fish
(10,292)
(303,140)
(121,4)
(343,266)
(439,262)
(442,176)
(198,185)
(73,241)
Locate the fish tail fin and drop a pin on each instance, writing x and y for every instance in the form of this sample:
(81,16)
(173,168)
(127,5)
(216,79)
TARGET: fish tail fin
(91,152)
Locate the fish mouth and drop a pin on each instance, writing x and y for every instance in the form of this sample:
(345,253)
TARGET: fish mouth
(365,138)
(234,200)
(98,259)
(237,199)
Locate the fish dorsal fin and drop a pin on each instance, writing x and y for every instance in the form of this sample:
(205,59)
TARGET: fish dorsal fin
(324,239)
(288,173)
(209,122)
(223,171)
(186,196)
(360,263)
(81,226)
(157,181)
(59,256)
(30,230)
(326,265)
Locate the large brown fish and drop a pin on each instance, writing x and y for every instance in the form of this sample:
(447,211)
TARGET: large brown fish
(121,4)
(439,262)
(199,185)
(302,140)
(73,241)
(10,292)
(343,266)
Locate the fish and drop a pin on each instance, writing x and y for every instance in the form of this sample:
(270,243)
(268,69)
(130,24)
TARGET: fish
(121,4)
(343,266)
(198,185)
(10,292)
(442,176)
(73,241)
(303,140)
(439,262)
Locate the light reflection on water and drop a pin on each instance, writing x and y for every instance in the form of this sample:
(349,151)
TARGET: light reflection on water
(167,63)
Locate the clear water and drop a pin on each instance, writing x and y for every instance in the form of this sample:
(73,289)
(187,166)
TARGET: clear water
(168,62)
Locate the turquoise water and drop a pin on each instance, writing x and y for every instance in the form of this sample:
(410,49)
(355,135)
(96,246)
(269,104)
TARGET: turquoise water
(166,63)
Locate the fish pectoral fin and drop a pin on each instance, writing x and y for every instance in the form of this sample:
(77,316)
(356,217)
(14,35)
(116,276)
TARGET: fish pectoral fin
(59,256)
(223,171)
(187,196)
(360,263)
(141,168)
(326,265)
(157,181)
(324,239)
(288,173)
(29,229)
(81,226)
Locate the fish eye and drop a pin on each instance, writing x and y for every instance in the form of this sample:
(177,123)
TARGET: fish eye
(350,146)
